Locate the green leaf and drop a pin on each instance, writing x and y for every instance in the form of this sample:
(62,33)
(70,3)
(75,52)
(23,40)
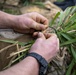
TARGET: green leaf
(70,68)
(61,17)
(68,42)
(66,36)
(20,43)
(73,53)
(74,73)
(66,14)
(54,19)
(73,10)
(72,27)
(73,17)
(8,41)
(15,60)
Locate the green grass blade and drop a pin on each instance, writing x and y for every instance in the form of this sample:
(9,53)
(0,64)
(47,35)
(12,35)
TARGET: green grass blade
(70,68)
(73,17)
(54,19)
(74,73)
(66,14)
(72,27)
(20,43)
(73,53)
(66,36)
(61,18)
(68,42)
(73,10)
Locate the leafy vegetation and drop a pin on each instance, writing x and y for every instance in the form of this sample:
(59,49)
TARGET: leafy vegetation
(66,31)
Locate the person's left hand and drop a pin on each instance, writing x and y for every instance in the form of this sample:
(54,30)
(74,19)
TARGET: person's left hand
(28,23)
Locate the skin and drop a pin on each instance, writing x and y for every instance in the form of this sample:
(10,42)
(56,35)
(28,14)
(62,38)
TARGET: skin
(47,45)
(26,23)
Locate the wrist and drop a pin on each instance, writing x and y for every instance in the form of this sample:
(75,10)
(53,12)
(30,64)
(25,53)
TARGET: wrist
(33,63)
(43,64)
(33,60)
(44,55)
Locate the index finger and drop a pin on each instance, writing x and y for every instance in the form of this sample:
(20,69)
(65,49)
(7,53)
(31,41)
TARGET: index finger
(41,19)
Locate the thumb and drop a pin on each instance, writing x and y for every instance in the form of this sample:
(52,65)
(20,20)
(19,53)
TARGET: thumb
(41,35)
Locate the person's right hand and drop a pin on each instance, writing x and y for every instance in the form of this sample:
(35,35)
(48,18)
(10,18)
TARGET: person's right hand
(29,22)
(47,45)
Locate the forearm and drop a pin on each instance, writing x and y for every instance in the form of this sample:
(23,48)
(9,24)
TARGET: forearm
(29,66)
(6,20)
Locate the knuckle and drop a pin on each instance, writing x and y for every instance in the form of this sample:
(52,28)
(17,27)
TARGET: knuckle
(40,39)
(34,13)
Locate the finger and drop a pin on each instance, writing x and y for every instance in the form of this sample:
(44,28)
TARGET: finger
(41,19)
(41,35)
(53,37)
(35,34)
(38,26)
(47,35)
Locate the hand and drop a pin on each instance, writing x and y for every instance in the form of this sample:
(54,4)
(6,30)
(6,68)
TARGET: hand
(47,45)
(30,22)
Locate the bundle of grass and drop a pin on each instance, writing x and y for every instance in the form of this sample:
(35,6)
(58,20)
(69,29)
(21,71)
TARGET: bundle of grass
(66,31)
(64,25)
